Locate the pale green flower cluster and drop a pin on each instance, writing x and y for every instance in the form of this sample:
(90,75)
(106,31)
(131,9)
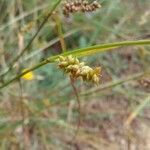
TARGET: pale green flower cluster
(76,69)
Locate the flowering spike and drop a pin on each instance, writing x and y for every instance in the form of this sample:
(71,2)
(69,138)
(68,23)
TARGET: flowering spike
(75,69)
(80,6)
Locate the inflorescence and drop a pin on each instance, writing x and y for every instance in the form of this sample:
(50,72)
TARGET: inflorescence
(80,6)
(76,69)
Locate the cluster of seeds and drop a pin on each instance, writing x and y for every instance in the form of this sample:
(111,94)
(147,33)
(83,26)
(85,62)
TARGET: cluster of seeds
(80,6)
(78,69)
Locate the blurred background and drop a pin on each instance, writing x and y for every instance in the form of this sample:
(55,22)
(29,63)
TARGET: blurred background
(40,111)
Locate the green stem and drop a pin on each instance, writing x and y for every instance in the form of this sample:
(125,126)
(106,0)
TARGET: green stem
(81,52)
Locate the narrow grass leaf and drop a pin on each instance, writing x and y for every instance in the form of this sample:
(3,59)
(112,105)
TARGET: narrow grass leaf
(81,52)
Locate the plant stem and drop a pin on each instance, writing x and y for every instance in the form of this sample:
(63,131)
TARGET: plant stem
(79,107)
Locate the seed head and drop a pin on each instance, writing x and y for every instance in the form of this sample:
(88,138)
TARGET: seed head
(80,6)
(76,69)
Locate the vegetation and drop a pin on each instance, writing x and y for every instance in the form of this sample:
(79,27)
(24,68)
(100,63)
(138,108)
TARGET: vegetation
(74,74)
